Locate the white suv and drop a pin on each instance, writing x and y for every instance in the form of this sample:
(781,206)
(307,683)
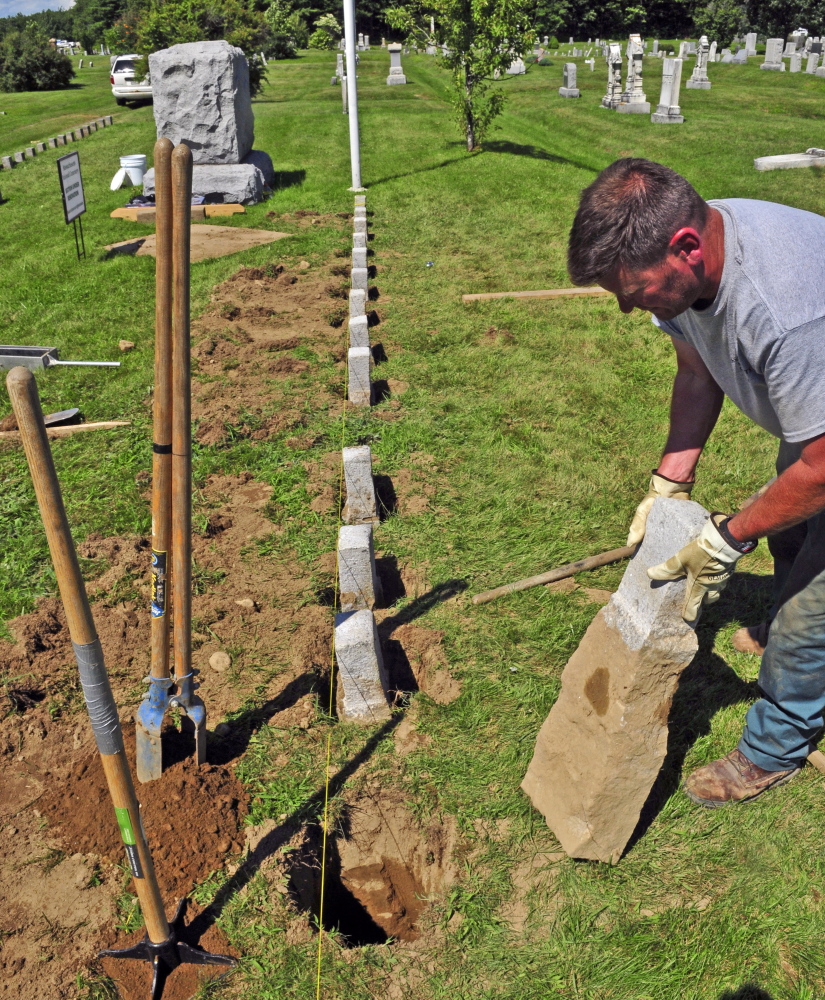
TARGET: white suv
(124,85)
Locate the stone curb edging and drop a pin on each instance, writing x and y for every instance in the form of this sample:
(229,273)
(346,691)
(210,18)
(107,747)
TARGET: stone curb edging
(63,139)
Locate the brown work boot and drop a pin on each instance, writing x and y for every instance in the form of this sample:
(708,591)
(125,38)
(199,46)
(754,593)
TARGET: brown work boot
(732,779)
(752,639)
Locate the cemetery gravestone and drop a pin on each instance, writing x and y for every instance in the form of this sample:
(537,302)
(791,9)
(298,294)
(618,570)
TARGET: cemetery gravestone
(655,50)
(796,63)
(668,111)
(727,56)
(712,52)
(603,744)
(201,96)
(396,72)
(750,43)
(813,62)
(634,101)
(517,67)
(569,88)
(362,681)
(773,55)
(613,97)
(699,77)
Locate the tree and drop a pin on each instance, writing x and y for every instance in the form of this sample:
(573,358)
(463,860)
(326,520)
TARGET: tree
(778,18)
(287,30)
(327,33)
(722,20)
(482,37)
(91,18)
(170,22)
(28,62)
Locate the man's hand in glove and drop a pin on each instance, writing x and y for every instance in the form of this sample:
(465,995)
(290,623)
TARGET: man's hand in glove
(660,486)
(708,563)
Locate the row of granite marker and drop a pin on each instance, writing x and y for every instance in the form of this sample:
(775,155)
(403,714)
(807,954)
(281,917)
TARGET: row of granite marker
(362,687)
(63,139)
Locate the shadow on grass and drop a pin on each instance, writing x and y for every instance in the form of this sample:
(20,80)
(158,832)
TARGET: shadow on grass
(534,153)
(706,686)
(288,178)
(750,991)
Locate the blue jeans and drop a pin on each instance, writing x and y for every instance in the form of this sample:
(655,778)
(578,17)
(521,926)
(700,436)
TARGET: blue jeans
(780,727)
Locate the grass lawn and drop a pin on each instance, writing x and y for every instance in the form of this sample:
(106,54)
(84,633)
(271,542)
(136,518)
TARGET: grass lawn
(542,421)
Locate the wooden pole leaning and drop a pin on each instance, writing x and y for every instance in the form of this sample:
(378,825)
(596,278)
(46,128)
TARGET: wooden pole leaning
(149,717)
(93,677)
(185,698)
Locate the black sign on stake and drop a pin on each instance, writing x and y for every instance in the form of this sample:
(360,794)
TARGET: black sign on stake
(74,200)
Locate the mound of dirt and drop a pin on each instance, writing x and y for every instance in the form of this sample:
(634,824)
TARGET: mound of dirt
(192,815)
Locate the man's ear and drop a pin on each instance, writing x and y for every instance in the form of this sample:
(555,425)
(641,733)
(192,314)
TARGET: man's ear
(687,244)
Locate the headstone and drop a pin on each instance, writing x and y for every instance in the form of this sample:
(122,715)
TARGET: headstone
(358,584)
(359,390)
(712,52)
(773,55)
(699,77)
(816,46)
(604,742)
(80,64)
(234,183)
(569,88)
(813,62)
(727,56)
(796,63)
(362,681)
(8,163)
(655,46)
(821,70)
(359,332)
(690,48)
(790,48)
(750,43)
(740,58)
(396,72)
(366,41)
(591,62)
(546,41)
(613,97)
(634,101)
(360,41)
(361,507)
(383,42)
(682,50)
(571,40)
(430,50)
(668,111)
(201,95)
(357,302)
(517,67)
(812,157)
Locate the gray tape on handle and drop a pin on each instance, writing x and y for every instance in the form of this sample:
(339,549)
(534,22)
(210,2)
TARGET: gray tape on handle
(99,699)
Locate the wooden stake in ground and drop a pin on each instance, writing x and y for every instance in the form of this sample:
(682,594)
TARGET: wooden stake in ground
(545,293)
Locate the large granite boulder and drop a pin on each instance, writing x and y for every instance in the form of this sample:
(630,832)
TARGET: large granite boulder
(230,183)
(201,96)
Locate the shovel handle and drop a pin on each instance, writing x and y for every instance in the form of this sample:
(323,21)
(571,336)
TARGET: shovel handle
(94,679)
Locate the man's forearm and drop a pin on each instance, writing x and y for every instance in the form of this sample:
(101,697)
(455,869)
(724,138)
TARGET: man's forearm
(694,410)
(793,497)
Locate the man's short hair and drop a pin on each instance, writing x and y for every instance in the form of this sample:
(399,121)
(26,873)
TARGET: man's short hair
(627,217)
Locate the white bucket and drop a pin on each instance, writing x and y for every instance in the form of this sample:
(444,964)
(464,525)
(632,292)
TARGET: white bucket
(135,167)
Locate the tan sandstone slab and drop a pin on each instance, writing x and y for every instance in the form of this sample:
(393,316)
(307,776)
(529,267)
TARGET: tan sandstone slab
(206,241)
(603,743)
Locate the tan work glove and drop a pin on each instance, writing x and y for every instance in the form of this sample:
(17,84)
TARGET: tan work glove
(660,486)
(708,563)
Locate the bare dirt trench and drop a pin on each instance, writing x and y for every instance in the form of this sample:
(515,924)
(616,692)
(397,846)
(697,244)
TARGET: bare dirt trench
(62,881)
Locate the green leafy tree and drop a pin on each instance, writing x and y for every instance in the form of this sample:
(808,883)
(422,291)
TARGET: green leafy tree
(327,33)
(777,19)
(28,62)
(722,20)
(482,37)
(92,18)
(288,30)
(171,22)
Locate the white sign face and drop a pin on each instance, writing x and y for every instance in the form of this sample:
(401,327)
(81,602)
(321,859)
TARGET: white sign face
(71,184)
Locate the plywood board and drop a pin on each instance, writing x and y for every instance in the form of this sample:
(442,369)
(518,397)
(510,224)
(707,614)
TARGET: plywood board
(207,241)
(546,293)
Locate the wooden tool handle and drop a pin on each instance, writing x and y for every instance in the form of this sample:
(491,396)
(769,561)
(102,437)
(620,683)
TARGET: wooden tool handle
(181,412)
(162,412)
(591,562)
(95,682)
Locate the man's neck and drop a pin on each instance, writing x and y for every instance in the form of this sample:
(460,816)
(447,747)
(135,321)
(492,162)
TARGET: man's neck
(713,235)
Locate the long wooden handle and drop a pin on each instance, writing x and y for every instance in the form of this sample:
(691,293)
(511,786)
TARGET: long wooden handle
(591,562)
(162,413)
(93,677)
(181,413)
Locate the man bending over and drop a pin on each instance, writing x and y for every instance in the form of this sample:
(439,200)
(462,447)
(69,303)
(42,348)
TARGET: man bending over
(739,286)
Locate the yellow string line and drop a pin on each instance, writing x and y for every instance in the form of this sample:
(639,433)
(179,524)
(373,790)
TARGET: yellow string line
(325,822)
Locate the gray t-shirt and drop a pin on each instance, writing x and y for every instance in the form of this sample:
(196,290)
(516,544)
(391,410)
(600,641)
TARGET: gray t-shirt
(763,337)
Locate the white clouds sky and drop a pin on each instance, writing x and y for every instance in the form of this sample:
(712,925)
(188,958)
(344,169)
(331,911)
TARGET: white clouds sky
(10,7)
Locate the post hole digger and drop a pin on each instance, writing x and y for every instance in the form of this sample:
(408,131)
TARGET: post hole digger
(171,472)
(161,946)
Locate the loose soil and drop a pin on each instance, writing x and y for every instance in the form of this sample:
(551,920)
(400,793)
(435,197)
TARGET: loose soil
(61,860)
